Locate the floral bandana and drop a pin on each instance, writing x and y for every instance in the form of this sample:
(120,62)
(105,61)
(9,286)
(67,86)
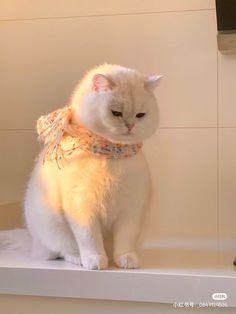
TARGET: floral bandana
(61,138)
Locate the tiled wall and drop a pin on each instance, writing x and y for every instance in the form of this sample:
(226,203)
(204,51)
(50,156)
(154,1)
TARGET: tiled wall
(46,46)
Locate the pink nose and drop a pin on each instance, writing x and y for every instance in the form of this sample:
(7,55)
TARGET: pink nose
(129,126)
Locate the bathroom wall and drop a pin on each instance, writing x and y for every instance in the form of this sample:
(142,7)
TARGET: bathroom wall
(46,46)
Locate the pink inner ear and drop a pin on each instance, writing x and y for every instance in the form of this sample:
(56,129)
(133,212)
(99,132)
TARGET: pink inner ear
(100,83)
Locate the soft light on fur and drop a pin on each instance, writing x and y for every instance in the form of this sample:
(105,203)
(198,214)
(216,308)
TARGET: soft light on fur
(126,91)
(69,211)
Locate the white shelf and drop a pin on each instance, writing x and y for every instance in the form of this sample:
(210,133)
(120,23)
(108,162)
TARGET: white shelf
(168,275)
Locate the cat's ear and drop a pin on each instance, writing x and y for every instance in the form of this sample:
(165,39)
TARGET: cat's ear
(101,83)
(152,82)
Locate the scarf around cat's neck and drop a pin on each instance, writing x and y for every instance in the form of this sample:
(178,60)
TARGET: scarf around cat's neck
(61,138)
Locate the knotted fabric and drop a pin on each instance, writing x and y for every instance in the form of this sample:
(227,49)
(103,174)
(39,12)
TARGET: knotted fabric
(61,138)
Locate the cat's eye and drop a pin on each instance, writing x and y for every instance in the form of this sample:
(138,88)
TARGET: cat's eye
(117,113)
(140,114)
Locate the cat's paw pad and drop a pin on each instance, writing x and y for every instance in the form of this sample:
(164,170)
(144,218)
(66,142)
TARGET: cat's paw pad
(127,260)
(73,258)
(95,261)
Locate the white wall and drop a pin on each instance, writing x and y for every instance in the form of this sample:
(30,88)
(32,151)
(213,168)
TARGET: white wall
(46,47)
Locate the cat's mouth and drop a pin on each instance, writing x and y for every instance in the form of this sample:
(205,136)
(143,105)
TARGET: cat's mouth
(128,137)
(128,132)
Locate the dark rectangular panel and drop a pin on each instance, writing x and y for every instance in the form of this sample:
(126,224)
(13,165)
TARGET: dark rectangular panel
(226,15)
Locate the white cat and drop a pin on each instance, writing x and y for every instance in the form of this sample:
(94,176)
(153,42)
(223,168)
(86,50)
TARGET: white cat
(70,209)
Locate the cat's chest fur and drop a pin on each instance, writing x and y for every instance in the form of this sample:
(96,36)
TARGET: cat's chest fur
(91,187)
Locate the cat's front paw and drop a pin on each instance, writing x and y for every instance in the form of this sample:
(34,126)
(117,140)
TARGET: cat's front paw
(127,260)
(73,258)
(95,261)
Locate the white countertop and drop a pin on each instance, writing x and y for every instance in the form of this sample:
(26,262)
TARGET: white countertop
(167,275)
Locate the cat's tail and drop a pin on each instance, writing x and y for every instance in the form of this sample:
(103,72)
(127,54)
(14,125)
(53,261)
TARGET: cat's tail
(16,239)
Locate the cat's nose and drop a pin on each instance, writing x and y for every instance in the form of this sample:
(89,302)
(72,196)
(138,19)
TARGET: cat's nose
(130,126)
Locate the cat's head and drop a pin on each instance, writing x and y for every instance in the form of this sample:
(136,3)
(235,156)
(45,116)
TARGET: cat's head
(117,103)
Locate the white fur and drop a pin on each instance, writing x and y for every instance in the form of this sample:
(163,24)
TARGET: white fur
(70,211)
